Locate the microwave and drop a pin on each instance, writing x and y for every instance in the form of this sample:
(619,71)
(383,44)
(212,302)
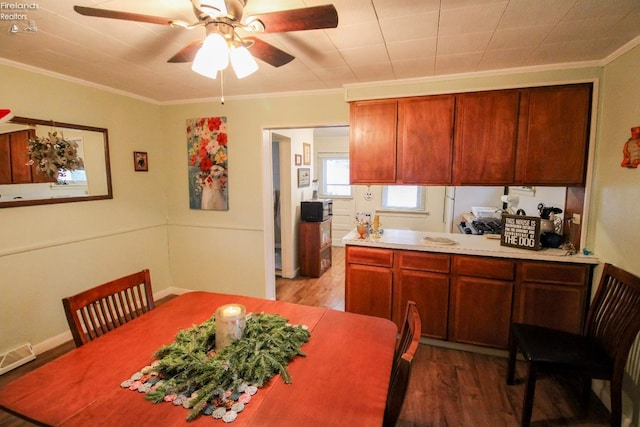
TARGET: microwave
(316,210)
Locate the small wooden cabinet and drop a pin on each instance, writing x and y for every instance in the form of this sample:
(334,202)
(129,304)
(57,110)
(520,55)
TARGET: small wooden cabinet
(369,281)
(315,247)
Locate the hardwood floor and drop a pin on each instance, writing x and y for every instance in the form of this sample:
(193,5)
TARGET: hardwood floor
(447,387)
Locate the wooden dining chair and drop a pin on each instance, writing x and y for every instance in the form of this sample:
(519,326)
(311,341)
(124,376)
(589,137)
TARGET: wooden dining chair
(96,311)
(406,348)
(600,352)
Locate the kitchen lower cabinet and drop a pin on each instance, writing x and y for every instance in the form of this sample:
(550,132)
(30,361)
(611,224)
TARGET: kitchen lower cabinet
(554,295)
(467,299)
(481,300)
(369,281)
(424,278)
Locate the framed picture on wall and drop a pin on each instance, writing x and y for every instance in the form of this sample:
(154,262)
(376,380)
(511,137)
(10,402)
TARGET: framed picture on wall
(298,159)
(304,177)
(306,153)
(140,161)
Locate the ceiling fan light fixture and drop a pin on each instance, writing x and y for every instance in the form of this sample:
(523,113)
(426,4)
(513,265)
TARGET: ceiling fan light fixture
(242,61)
(212,56)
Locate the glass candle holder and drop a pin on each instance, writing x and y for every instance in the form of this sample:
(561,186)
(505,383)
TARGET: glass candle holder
(230,322)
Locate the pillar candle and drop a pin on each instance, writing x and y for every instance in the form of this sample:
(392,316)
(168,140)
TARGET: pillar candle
(230,321)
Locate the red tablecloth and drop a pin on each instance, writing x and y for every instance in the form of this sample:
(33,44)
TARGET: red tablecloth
(342,381)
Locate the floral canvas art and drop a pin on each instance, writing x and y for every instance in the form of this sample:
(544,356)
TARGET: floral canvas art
(207,150)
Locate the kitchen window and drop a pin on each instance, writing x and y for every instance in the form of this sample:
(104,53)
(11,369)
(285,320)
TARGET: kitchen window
(334,175)
(403,198)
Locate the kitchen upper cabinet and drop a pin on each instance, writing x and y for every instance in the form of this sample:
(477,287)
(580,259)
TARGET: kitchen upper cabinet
(553,135)
(529,136)
(486,137)
(372,142)
(402,141)
(15,157)
(425,140)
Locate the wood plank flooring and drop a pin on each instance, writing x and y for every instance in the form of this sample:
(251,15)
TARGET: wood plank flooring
(448,387)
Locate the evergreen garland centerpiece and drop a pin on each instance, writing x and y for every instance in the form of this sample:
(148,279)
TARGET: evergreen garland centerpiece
(189,372)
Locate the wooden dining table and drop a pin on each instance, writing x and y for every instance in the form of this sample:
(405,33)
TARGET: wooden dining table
(342,381)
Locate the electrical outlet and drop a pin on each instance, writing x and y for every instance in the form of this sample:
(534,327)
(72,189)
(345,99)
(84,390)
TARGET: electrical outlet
(368,196)
(576,218)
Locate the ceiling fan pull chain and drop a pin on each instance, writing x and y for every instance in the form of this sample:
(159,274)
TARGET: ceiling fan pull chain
(222,87)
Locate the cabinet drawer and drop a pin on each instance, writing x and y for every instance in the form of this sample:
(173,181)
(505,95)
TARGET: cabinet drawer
(438,263)
(368,256)
(552,272)
(489,268)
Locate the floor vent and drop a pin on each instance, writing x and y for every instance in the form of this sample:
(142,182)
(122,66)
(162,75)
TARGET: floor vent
(16,357)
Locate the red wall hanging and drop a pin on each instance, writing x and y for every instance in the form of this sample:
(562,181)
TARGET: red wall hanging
(631,150)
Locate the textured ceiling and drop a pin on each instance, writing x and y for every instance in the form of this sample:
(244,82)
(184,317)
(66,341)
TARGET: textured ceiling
(376,40)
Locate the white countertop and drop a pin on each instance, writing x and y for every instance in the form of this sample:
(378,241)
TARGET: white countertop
(464,245)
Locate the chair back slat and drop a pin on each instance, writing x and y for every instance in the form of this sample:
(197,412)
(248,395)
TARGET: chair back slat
(613,320)
(101,309)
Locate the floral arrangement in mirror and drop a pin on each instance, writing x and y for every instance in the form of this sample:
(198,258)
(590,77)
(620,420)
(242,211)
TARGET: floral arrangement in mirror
(54,153)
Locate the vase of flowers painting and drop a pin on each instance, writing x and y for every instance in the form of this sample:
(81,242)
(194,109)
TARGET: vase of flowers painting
(207,146)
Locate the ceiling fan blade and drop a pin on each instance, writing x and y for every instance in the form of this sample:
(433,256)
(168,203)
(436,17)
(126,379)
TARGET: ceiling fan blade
(307,18)
(187,53)
(127,16)
(268,53)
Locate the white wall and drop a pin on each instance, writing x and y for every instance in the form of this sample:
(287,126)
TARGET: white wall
(52,251)
(616,191)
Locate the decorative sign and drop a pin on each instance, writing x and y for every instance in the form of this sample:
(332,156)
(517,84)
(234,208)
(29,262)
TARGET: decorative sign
(519,231)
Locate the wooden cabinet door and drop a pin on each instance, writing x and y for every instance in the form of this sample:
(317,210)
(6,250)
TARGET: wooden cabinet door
(486,131)
(425,140)
(368,290)
(430,291)
(553,135)
(5,159)
(480,311)
(21,173)
(372,142)
(553,295)
(553,306)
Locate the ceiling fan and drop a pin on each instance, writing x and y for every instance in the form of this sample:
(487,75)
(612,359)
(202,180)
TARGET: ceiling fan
(222,19)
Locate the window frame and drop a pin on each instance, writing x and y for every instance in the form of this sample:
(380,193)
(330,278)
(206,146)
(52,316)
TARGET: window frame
(421,200)
(322,157)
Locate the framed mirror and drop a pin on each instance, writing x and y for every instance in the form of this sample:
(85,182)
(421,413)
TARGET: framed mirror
(36,179)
